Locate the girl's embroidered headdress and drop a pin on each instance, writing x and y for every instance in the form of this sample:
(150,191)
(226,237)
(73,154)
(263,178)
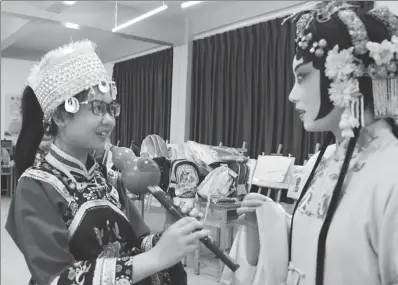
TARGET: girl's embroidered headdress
(64,73)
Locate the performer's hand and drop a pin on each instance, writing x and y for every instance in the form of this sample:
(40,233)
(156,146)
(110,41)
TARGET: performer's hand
(247,210)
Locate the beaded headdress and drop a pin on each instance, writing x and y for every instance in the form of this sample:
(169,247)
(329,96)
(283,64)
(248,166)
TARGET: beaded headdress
(65,72)
(344,66)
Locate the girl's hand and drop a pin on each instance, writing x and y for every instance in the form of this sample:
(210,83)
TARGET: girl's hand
(178,241)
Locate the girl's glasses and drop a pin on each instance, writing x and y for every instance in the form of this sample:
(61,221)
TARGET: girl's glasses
(100,108)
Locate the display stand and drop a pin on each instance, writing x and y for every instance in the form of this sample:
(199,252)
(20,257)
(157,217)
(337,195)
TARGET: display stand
(273,172)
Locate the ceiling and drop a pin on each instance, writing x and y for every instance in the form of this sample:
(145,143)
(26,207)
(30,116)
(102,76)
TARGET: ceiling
(31,28)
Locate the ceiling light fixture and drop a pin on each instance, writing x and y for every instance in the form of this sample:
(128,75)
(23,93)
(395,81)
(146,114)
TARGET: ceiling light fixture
(140,18)
(69,2)
(187,4)
(71,26)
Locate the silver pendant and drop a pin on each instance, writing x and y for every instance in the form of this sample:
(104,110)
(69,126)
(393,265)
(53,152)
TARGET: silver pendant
(113,90)
(72,105)
(103,86)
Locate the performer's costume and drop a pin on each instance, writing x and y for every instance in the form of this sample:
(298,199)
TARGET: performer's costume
(71,222)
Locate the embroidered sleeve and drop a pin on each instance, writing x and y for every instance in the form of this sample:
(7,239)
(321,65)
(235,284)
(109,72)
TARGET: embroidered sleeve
(40,233)
(149,241)
(175,275)
(100,271)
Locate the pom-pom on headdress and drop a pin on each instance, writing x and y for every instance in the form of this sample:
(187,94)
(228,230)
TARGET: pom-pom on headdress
(64,73)
(344,66)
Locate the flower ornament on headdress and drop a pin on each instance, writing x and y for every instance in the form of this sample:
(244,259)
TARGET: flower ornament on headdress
(343,66)
(340,64)
(65,72)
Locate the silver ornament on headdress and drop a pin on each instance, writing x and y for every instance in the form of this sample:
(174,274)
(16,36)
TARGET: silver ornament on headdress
(64,73)
(72,105)
(321,11)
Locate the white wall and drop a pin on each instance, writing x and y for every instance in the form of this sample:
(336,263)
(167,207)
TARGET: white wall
(392,5)
(180,101)
(13,79)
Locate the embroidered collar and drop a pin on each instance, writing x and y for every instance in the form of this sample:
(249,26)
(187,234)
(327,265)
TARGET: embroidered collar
(69,164)
(367,137)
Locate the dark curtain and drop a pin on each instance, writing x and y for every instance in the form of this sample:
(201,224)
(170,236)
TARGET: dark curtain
(241,80)
(367,5)
(240,85)
(144,91)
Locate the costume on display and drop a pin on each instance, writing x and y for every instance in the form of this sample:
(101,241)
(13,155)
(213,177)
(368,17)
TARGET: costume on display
(184,179)
(154,146)
(361,221)
(71,223)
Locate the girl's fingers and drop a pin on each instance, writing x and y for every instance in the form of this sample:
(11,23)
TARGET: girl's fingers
(177,201)
(196,214)
(196,236)
(187,207)
(191,227)
(184,222)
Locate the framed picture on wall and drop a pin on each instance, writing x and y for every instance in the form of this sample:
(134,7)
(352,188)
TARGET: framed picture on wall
(13,116)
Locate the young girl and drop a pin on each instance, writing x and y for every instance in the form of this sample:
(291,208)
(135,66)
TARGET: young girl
(344,228)
(69,221)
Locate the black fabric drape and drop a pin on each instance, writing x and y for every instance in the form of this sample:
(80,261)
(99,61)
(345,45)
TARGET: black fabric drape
(240,85)
(144,91)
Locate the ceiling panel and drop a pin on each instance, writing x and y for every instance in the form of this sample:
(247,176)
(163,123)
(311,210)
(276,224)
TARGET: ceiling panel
(44,37)
(169,26)
(9,25)
(23,53)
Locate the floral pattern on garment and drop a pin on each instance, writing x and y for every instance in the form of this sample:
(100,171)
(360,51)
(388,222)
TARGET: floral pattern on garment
(77,272)
(316,203)
(83,189)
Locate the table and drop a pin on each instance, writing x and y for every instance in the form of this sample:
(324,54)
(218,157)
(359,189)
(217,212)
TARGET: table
(223,217)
